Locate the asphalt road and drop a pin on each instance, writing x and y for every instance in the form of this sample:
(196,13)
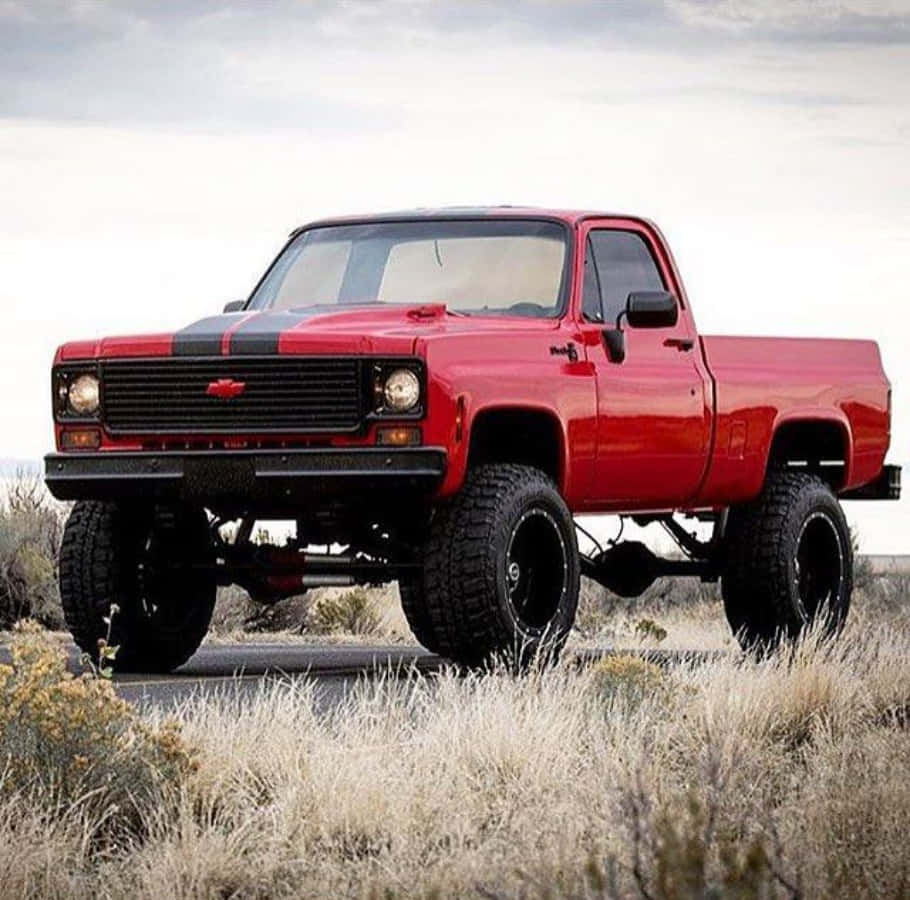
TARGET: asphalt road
(242,668)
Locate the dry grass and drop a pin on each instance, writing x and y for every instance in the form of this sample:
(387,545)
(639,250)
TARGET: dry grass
(782,777)
(683,614)
(689,613)
(745,778)
(674,615)
(321,615)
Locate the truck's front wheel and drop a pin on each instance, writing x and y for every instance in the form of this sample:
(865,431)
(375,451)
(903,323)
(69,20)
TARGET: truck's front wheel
(790,562)
(500,573)
(152,565)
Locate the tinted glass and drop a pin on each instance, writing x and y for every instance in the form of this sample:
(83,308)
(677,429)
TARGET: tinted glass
(624,264)
(492,267)
(591,305)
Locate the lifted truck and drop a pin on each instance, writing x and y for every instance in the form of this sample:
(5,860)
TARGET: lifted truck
(433,396)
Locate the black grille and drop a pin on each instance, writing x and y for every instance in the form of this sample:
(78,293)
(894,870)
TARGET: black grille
(283,394)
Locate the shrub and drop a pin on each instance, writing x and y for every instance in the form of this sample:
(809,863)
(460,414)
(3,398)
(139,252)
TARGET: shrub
(679,853)
(628,677)
(648,629)
(31,527)
(353,612)
(863,573)
(600,610)
(885,595)
(71,740)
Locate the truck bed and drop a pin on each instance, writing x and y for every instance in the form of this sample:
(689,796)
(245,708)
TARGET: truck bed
(760,383)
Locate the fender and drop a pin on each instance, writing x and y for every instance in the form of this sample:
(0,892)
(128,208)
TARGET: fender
(817,416)
(458,459)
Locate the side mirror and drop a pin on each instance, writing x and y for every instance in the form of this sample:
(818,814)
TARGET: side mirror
(644,309)
(615,343)
(651,309)
(234,306)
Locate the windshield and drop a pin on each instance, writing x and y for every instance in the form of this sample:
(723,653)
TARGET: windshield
(493,267)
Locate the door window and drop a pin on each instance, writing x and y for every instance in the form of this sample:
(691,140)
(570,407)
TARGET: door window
(623,264)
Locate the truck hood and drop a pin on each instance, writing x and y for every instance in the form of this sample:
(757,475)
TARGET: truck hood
(366,330)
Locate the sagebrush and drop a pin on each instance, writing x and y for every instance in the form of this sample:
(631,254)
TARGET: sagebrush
(31,527)
(69,741)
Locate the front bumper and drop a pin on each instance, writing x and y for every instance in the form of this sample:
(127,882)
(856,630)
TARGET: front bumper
(245,477)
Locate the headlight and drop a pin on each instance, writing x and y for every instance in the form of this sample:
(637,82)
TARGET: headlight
(84,395)
(401,390)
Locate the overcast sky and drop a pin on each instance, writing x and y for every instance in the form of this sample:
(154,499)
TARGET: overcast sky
(153,156)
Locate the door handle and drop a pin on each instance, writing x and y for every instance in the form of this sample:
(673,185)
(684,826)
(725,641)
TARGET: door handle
(684,345)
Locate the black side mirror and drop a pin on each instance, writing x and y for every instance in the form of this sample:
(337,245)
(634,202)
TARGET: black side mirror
(615,343)
(651,309)
(234,306)
(644,309)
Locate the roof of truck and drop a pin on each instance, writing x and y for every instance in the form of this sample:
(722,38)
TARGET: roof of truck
(569,216)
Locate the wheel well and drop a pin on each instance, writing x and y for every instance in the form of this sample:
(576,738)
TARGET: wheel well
(821,447)
(526,436)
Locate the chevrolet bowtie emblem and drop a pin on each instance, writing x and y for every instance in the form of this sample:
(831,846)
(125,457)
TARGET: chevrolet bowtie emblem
(226,388)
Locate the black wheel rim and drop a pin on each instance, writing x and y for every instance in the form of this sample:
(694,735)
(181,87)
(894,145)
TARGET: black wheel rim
(168,577)
(536,569)
(819,569)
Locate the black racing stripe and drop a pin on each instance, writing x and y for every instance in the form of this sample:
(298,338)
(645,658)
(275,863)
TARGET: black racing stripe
(260,334)
(203,338)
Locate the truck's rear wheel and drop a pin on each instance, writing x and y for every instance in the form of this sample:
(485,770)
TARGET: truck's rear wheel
(790,562)
(501,571)
(148,564)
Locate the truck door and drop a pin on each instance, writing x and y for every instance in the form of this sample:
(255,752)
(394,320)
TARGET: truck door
(654,408)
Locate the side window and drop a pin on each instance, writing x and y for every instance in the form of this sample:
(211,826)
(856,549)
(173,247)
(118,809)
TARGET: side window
(624,264)
(591,307)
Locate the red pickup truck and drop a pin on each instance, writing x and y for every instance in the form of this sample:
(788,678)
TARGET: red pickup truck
(432,396)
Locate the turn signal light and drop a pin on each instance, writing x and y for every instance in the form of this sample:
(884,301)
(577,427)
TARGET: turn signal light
(403,436)
(80,439)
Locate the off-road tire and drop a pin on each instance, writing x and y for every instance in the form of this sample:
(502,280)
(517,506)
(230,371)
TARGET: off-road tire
(410,590)
(164,612)
(465,605)
(769,596)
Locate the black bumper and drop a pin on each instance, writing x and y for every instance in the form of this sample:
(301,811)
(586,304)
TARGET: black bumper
(886,487)
(247,477)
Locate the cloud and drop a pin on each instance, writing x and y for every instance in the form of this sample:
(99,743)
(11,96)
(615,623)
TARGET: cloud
(262,67)
(735,94)
(170,65)
(273,65)
(808,21)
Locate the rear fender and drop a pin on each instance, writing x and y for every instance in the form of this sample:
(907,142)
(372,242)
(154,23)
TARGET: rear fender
(813,417)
